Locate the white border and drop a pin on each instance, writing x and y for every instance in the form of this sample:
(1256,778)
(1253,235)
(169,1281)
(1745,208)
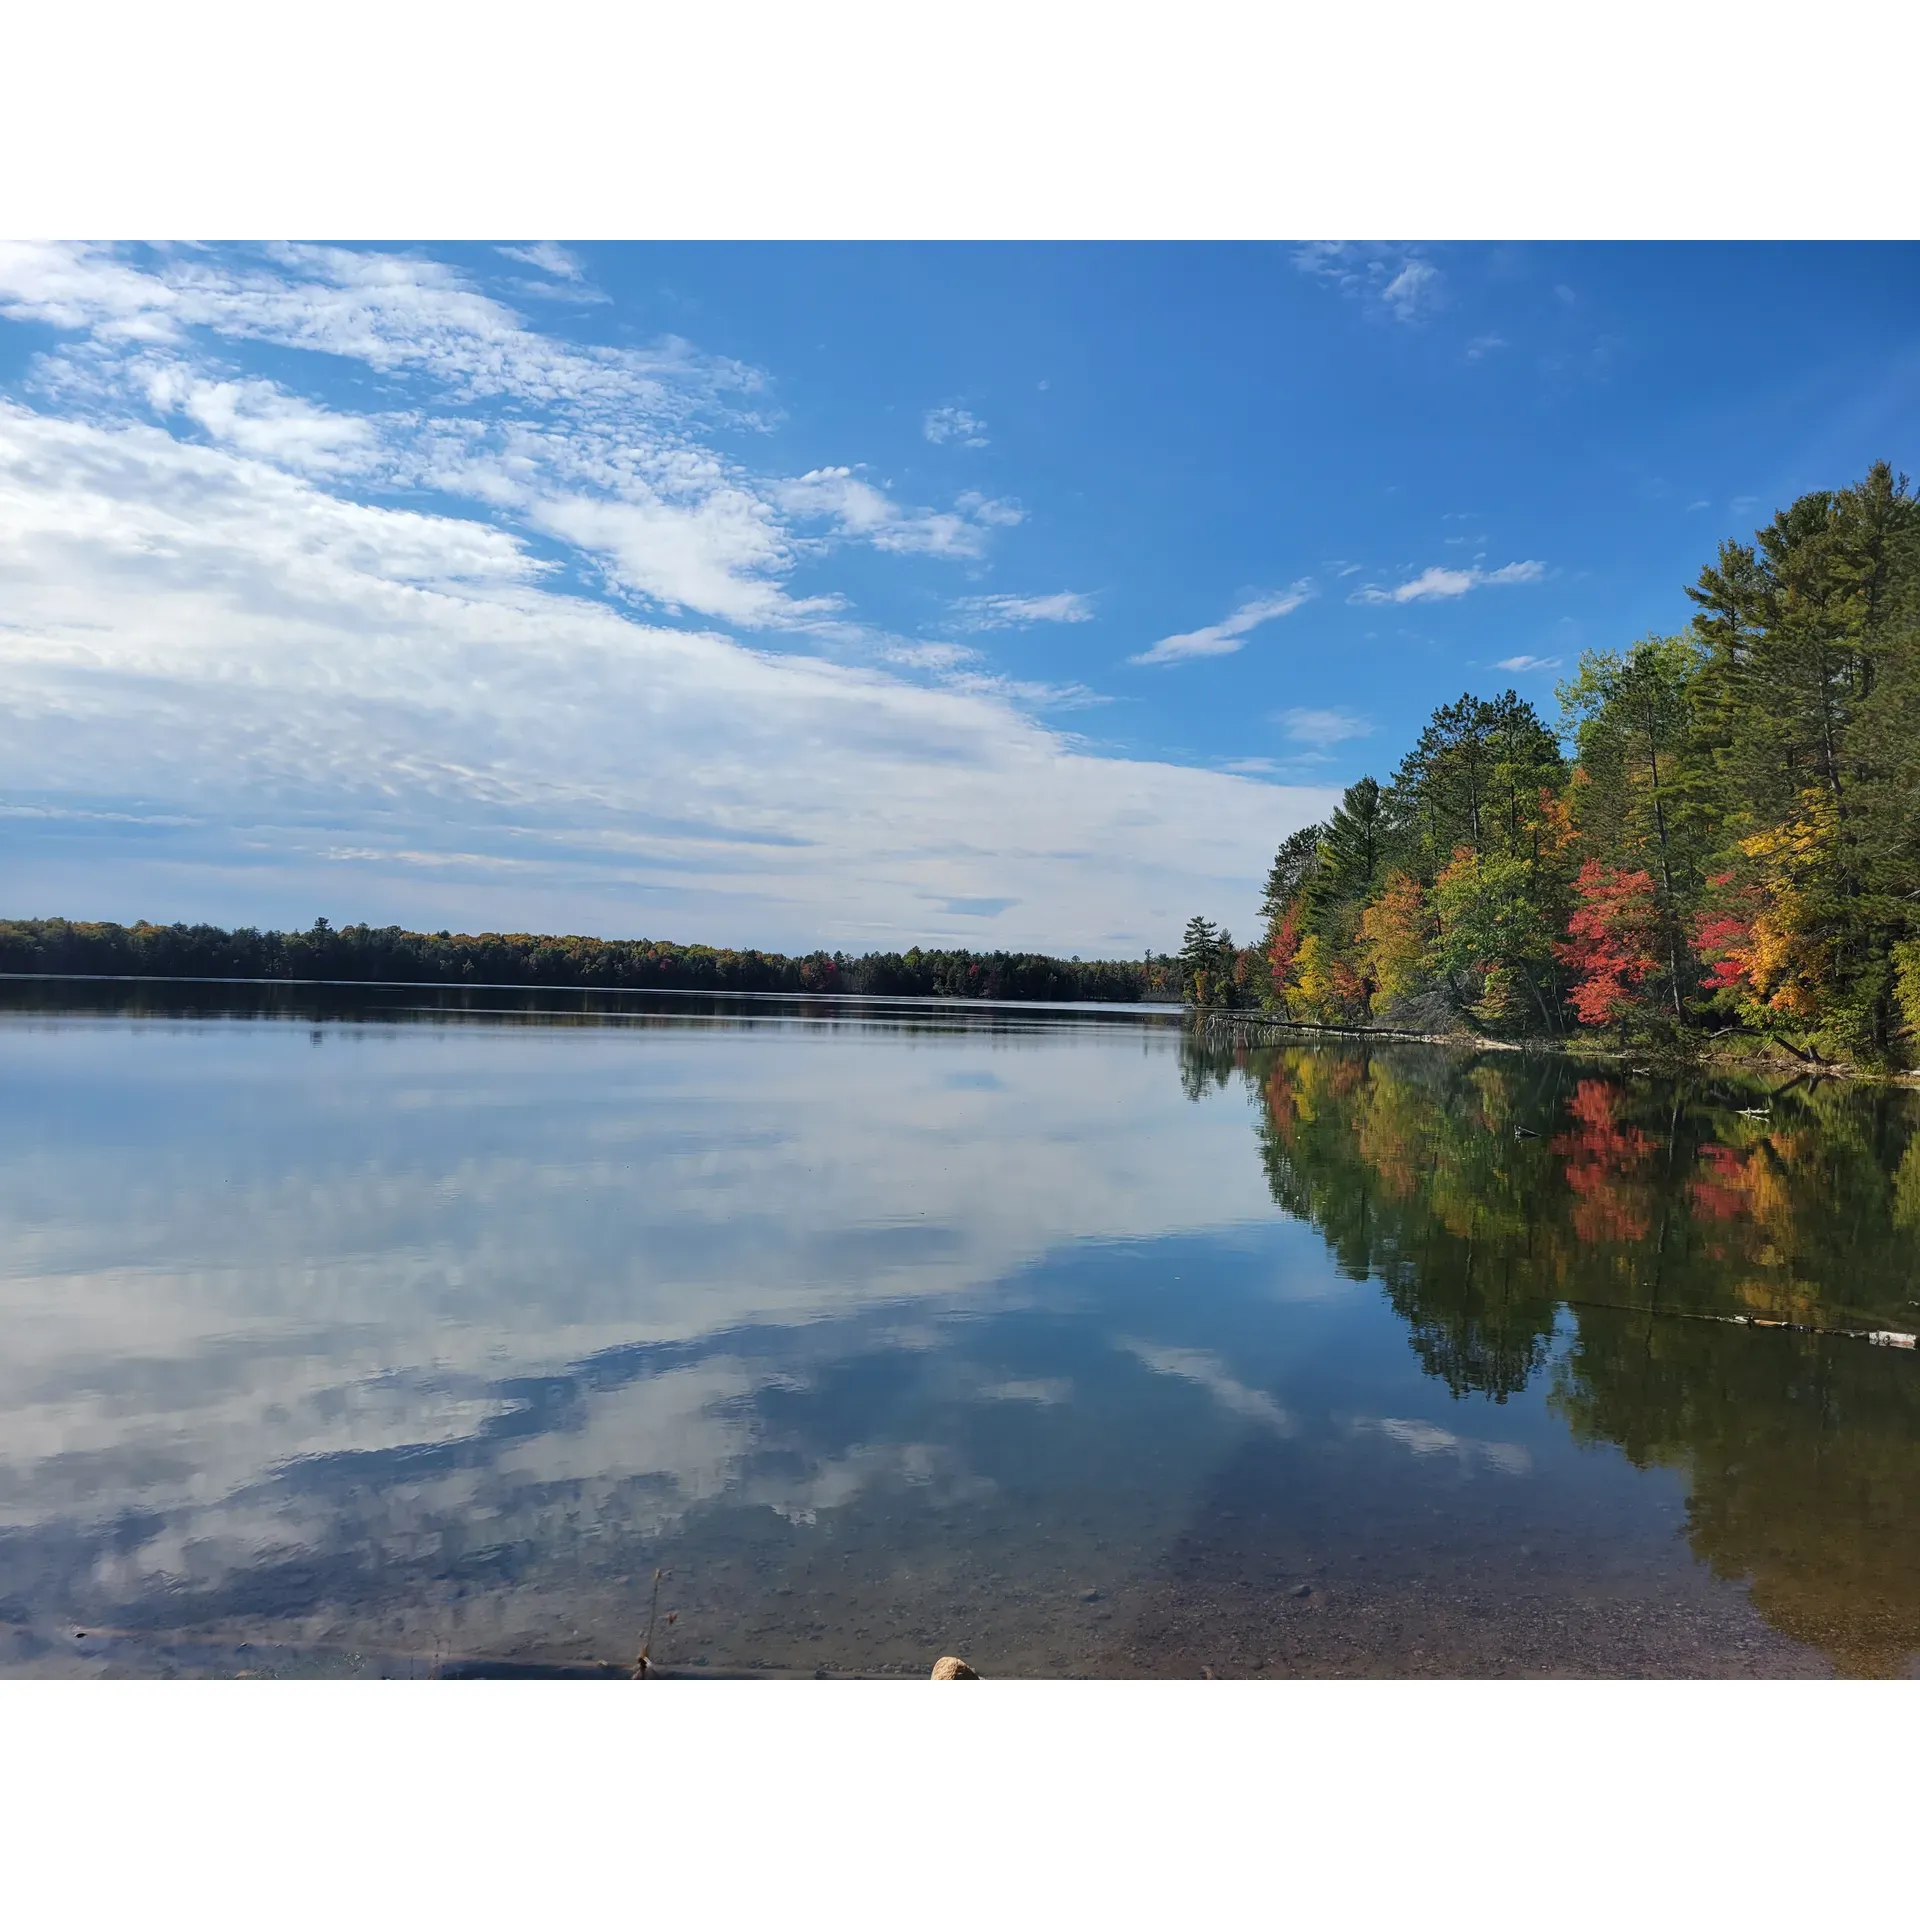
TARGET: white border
(997,118)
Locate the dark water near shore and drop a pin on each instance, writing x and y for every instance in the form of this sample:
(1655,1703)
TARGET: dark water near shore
(376,1331)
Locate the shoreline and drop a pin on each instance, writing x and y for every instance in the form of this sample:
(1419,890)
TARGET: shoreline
(1276,1029)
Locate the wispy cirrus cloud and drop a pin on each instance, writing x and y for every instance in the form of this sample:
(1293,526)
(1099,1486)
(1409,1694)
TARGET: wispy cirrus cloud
(990,512)
(1395,280)
(1228,635)
(1449,583)
(942,425)
(1323,726)
(562,275)
(982,612)
(547,257)
(1411,291)
(1529,663)
(862,511)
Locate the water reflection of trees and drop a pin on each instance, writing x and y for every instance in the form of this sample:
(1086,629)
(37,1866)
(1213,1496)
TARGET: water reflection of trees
(1491,1195)
(1804,1462)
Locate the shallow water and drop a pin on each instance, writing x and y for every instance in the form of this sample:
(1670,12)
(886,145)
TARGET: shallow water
(406,1331)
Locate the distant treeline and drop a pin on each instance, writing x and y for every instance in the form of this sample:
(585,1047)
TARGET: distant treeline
(326,952)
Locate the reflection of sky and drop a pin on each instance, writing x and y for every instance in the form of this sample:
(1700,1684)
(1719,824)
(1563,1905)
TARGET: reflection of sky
(352,1323)
(229,1250)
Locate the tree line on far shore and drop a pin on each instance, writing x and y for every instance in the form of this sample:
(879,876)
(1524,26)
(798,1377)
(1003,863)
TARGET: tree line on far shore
(1732,843)
(363,953)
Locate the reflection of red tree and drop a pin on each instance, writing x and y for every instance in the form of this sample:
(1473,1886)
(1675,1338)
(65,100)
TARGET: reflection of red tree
(1601,1154)
(1746,1188)
(1281,1104)
(1344,1076)
(1719,1191)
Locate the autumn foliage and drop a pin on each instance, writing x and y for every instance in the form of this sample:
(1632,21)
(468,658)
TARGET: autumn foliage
(1735,838)
(1612,942)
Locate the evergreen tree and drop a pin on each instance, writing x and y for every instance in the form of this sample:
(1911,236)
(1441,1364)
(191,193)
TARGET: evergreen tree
(1473,775)
(1353,849)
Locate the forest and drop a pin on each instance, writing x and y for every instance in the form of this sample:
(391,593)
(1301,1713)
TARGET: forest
(361,953)
(1718,836)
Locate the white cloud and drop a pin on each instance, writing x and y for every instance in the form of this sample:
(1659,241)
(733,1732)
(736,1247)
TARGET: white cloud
(259,418)
(1483,344)
(1528,663)
(863,511)
(394,312)
(933,656)
(1449,583)
(1228,635)
(1395,280)
(715,557)
(985,611)
(545,257)
(1412,290)
(991,513)
(192,632)
(592,446)
(1322,727)
(943,424)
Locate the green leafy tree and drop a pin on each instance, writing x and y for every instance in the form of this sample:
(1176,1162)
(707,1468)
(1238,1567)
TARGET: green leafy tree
(1496,939)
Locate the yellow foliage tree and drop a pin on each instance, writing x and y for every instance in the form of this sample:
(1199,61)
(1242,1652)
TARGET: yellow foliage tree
(1393,940)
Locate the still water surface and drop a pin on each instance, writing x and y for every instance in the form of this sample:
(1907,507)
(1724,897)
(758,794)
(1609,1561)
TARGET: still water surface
(403,1331)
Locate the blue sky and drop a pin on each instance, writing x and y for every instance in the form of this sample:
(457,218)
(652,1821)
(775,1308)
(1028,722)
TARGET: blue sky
(842,595)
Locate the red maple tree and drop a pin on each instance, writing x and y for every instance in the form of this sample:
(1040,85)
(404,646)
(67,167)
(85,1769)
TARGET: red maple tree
(1282,948)
(1612,941)
(1723,933)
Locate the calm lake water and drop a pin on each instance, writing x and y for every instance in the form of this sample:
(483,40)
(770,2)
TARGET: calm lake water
(402,1331)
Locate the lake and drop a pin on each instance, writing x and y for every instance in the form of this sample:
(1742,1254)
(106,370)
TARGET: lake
(411,1331)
